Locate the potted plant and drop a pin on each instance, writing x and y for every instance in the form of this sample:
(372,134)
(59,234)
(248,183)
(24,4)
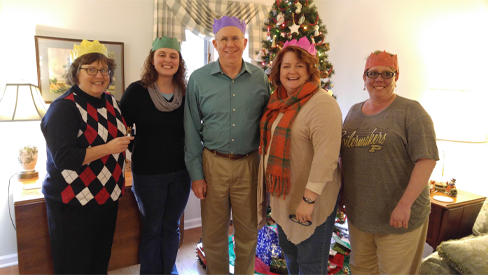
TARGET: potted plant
(28,157)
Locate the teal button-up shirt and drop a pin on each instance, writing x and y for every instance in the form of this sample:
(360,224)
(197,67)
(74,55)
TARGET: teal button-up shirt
(223,113)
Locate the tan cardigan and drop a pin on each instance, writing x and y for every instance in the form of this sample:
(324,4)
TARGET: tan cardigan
(315,146)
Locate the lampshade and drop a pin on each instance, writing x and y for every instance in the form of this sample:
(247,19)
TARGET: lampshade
(455,114)
(21,102)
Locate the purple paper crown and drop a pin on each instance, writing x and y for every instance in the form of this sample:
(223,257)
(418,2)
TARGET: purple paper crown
(226,21)
(302,43)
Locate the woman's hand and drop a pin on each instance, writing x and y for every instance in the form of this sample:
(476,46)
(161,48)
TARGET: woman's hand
(304,211)
(400,216)
(118,145)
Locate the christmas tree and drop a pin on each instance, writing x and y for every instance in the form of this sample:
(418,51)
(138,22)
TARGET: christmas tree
(289,20)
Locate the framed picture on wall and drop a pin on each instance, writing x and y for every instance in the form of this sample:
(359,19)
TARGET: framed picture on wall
(53,61)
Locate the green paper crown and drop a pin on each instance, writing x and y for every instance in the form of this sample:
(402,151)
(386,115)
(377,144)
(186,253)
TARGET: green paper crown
(166,42)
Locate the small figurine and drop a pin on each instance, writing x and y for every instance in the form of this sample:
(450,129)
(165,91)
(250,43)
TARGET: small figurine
(451,189)
(129,132)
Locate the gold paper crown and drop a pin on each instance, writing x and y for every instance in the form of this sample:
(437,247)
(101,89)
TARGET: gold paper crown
(88,47)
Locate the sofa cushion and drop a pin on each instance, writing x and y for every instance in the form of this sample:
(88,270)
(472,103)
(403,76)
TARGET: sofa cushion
(481,224)
(434,264)
(468,255)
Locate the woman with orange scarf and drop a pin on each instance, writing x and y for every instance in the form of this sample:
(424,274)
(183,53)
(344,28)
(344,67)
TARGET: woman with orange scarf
(300,143)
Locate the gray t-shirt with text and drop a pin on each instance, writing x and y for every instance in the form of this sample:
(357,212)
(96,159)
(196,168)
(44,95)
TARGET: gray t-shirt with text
(378,156)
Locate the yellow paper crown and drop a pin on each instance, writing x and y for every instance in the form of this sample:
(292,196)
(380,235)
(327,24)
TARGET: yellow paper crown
(88,47)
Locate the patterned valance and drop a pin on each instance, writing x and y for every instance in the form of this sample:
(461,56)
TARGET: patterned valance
(171,17)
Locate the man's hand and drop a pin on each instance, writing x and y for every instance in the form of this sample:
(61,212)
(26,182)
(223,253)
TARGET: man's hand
(199,188)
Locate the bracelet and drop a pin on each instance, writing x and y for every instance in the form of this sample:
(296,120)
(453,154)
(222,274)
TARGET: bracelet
(308,201)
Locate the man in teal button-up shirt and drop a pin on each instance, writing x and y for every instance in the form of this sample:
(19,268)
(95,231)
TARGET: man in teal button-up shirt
(224,104)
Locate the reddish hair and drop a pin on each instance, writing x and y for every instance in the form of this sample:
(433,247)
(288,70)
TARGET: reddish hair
(302,55)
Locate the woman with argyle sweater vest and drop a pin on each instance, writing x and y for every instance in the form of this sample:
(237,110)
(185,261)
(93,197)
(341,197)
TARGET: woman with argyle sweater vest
(86,144)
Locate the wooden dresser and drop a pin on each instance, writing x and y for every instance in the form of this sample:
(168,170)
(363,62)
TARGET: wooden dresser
(452,220)
(33,247)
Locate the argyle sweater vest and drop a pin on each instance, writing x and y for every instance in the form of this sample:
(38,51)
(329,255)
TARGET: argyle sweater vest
(100,181)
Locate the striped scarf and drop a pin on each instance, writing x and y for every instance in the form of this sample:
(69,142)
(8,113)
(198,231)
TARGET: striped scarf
(278,169)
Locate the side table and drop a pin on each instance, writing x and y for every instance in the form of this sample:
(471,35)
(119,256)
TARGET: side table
(452,220)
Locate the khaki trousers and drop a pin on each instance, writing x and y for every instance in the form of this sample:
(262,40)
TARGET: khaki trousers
(230,184)
(386,253)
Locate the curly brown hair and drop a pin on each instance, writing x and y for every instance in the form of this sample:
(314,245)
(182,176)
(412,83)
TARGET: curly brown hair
(150,75)
(89,58)
(302,55)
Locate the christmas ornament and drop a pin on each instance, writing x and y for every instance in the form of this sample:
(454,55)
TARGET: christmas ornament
(283,34)
(290,36)
(261,54)
(274,42)
(280,19)
(294,28)
(299,7)
(316,28)
(313,40)
(301,20)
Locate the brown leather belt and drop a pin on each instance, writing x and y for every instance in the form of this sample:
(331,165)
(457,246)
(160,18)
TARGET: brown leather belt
(229,156)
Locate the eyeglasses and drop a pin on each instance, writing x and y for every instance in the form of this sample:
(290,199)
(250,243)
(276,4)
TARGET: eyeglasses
(384,75)
(226,40)
(293,218)
(93,71)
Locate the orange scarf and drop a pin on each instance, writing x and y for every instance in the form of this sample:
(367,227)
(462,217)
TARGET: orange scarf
(278,168)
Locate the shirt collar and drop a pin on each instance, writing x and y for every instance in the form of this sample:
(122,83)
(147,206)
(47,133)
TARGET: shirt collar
(216,69)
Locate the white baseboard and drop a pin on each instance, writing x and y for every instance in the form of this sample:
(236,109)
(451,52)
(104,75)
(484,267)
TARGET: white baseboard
(193,223)
(8,260)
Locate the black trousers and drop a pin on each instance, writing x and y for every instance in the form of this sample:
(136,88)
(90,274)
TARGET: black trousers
(81,236)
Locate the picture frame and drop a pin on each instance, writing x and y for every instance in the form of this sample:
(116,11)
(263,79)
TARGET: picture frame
(53,61)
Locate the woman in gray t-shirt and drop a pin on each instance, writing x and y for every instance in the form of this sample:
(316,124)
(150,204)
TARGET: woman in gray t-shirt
(388,153)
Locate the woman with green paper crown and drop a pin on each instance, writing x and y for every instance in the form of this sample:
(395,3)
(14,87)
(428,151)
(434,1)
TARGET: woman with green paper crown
(161,183)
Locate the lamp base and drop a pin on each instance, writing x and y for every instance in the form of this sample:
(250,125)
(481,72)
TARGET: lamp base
(28,174)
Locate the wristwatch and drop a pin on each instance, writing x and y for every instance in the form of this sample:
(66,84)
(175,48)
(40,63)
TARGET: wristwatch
(308,201)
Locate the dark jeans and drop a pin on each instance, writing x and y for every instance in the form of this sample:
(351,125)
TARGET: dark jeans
(162,199)
(312,255)
(81,236)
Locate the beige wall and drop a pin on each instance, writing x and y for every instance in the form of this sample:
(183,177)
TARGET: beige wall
(441,44)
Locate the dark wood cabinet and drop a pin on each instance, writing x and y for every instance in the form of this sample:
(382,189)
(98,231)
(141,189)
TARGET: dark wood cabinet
(34,248)
(452,220)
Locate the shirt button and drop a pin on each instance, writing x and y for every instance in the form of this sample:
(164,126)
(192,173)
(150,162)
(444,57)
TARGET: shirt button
(232,81)
(233,94)
(234,110)
(232,139)
(233,124)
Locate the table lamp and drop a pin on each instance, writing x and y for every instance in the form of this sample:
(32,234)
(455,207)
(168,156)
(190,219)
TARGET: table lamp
(456,119)
(23,102)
